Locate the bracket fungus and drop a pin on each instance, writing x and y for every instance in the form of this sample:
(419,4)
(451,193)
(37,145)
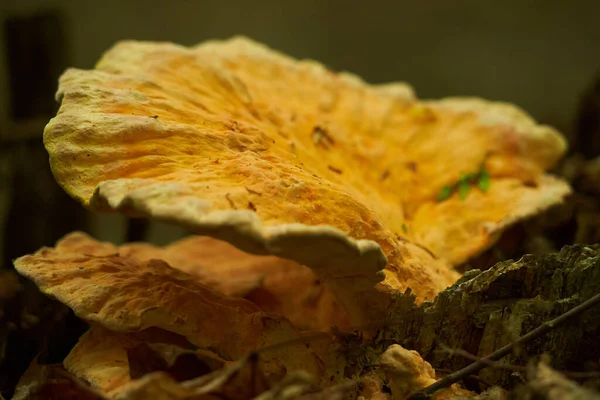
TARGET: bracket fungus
(281,157)
(276,285)
(293,176)
(125,294)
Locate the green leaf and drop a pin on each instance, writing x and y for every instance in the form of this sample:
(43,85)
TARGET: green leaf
(445,193)
(467,177)
(317,137)
(484,181)
(463,189)
(404,228)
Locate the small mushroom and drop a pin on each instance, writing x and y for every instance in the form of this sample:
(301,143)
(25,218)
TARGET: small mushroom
(405,372)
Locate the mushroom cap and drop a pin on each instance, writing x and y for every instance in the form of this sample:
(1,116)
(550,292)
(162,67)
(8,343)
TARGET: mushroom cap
(406,369)
(406,372)
(130,295)
(276,285)
(282,157)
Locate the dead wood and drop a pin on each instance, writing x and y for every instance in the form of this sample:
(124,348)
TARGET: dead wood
(485,311)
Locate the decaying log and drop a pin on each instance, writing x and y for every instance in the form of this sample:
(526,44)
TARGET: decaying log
(485,311)
(491,359)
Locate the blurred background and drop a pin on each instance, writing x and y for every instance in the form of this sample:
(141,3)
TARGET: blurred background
(541,55)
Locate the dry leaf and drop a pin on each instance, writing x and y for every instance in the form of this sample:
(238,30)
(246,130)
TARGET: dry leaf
(242,380)
(552,385)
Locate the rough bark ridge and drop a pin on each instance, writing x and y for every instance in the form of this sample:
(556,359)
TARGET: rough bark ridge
(487,310)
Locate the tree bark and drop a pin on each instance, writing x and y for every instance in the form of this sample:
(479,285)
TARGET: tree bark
(486,310)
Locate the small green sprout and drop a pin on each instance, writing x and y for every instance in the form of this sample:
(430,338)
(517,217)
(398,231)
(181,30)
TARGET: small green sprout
(484,181)
(463,188)
(481,178)
(404,227)
(445,193)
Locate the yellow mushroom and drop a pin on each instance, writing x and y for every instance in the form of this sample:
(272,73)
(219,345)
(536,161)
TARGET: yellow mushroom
(282,157)
(124,294)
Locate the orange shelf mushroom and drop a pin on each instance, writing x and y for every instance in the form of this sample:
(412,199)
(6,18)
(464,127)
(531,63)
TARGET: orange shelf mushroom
(124,294)
(287,158)
(275,284)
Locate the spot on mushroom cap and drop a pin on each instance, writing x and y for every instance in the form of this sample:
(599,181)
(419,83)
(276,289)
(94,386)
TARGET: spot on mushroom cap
(284,157)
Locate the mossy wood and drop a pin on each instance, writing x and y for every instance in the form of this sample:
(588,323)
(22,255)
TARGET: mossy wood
(487,310)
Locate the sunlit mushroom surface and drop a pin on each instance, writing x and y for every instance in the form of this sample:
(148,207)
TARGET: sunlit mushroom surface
(288,158)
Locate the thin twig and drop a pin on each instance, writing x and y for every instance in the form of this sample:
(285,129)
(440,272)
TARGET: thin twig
(513,367)
(500,353)
(472,357)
